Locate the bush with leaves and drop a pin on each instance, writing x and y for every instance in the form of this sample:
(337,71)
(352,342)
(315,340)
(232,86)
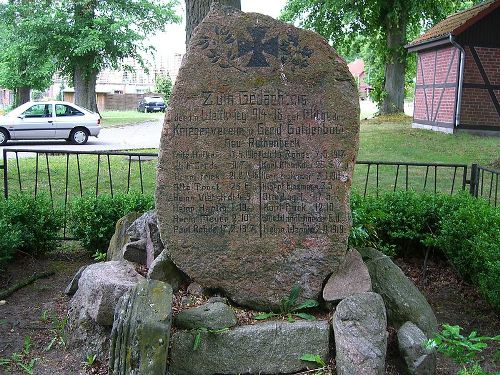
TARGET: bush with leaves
(464,229)
(10,241)
(93,219)
(32,224)
(463,350)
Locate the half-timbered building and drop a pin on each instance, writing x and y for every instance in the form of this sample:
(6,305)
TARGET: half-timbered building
(458,72)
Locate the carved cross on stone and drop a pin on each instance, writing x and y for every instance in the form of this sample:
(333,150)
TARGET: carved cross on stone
(258,46)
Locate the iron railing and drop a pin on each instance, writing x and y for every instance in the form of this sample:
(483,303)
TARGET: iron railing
(79,172)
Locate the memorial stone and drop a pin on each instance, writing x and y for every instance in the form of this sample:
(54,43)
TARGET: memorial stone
(256,159)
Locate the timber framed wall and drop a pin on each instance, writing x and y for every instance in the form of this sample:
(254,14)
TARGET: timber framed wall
(480,109)
(436,89)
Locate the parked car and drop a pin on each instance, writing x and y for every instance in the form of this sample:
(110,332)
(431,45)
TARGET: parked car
(49,120)
(151,104)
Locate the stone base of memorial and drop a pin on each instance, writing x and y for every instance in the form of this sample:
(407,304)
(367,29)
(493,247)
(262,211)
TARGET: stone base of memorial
(195,330)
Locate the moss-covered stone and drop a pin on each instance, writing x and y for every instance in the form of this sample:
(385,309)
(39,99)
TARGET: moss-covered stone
(403,300)
(141,332)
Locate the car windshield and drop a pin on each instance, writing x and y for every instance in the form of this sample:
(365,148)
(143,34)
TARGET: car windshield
(155,99)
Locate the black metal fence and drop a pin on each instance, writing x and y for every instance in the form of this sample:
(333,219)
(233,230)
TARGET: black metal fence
(67,174)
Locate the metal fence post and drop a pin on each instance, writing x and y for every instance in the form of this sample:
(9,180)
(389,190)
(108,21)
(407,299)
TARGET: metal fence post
(5,177)
(474,180)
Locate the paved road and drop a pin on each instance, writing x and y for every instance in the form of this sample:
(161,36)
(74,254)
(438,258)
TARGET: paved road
(145,135)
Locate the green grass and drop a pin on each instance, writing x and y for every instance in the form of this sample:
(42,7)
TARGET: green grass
(381,139)
(121,118)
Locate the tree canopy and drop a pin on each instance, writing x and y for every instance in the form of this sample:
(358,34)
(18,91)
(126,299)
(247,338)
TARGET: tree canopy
(24,63)
(377,30)
(82,37)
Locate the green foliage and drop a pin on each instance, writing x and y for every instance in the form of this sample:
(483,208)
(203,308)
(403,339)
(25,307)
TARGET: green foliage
(89,360)
(22,361)
(58,332)
(28,224)
(10,237)
(93,220)
(24,59)
(465,229)
(99,256)
(314,358)
(290,309)
(361,31)
(163,85)
(463,350)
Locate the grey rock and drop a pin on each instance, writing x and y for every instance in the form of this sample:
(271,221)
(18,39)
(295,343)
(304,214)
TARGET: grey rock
(141,330)
(120,237)
(135,251)
(213,316)
(195,289)
(359,325)
(351,278)
(100,287)
(138,230)
(418,359)
(267,348)
(403,301)
(73,284)
(218,299)
(163,269)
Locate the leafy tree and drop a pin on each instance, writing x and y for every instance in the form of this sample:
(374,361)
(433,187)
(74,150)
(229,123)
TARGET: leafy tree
(91,35)
(164,85)
(24,61)
(386,27)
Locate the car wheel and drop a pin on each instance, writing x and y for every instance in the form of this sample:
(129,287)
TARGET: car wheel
(4,137)
(79,136)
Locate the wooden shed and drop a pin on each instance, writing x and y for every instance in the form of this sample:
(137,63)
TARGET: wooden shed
(458,73)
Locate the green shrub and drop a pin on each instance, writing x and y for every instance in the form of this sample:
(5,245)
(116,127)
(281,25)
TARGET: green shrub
(34,219)
(10,239)
(464,229)
(92,220)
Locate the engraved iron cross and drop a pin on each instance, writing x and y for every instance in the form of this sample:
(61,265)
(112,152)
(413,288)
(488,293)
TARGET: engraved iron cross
(258,46)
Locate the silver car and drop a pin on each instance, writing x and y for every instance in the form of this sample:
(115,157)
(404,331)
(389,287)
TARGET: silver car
(49,120)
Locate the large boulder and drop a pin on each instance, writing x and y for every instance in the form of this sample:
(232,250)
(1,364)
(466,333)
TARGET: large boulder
(99,288)
(359,325)
(141,330)
(267,348)
(256,159)
(120,237)
(403,301)
(73,284)
(411,342)
(212,316)
(351,278)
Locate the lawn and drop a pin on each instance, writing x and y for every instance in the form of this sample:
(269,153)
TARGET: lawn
(121,118)
(381,139)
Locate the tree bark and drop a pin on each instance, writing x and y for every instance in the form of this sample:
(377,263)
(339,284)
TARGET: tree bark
(22,95)
(196,10)
(84,81)
(395,68)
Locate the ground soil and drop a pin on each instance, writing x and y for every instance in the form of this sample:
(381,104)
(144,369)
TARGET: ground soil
(35,310)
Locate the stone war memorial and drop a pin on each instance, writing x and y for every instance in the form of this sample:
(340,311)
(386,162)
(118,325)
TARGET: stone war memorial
(248,269)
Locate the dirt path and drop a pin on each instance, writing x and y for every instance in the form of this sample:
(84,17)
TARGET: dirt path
(38,312)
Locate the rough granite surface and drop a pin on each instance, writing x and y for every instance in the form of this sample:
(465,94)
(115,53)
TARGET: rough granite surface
(256,159)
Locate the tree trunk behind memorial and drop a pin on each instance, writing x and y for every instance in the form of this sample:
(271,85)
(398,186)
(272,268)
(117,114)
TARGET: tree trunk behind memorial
(196,10)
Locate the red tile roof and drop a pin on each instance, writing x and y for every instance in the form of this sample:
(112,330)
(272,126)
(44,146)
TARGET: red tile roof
(457,23)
